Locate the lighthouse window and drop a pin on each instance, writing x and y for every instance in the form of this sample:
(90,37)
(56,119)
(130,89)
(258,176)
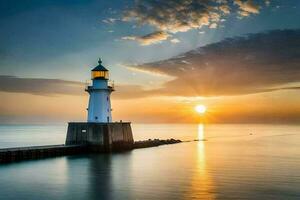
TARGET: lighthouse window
(100,74)
(106,74)
(107,98)
(96,118)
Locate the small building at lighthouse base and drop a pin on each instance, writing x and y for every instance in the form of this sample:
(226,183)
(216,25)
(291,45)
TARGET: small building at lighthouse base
(101,137)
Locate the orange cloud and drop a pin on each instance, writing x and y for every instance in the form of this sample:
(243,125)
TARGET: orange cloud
(169,17)
(248,7)
(255,63)
(151,38)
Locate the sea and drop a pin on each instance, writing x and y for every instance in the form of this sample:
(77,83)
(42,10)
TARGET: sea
(227,161)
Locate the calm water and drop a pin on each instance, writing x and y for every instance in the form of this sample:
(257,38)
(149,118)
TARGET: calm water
(236,162)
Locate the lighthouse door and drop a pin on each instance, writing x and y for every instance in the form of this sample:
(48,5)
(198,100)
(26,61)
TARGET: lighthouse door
(107,119)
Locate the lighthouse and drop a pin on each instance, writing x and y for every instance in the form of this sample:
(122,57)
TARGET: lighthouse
(99,108)
(99,133)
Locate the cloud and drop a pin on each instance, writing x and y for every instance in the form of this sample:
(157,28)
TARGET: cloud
(183,15)
(109,20)
(172,16)
(267,2)
(243,14)
(152,38)
(247,7)
(175,40)
(213,25)
(225,9)
(38,86)
(254,63)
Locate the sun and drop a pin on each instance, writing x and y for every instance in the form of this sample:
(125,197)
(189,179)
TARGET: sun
(200,109)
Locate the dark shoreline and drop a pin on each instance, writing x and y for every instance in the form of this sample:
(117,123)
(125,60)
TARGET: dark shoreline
(15,154)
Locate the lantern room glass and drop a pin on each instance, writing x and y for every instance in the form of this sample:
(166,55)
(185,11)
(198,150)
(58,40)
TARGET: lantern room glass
(100,74)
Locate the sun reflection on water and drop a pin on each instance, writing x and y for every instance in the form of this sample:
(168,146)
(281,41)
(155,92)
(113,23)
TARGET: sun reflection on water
(202,185)
(200,132)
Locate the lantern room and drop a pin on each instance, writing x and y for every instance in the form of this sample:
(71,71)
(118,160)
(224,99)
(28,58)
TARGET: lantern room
(100,72)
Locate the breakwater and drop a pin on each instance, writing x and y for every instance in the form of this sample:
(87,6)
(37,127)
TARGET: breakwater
(39,152)
(154,143)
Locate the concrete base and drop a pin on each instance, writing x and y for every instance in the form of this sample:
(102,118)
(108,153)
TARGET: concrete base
(101,137)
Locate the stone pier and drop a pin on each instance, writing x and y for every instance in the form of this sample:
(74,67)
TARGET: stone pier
(85,138)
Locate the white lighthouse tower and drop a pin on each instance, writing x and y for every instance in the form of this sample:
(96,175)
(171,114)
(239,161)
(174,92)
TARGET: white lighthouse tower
(99,109)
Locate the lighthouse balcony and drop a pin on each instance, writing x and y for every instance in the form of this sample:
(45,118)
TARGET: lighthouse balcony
(110,86)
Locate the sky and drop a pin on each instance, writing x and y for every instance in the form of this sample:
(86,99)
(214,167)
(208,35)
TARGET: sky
(239,58)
